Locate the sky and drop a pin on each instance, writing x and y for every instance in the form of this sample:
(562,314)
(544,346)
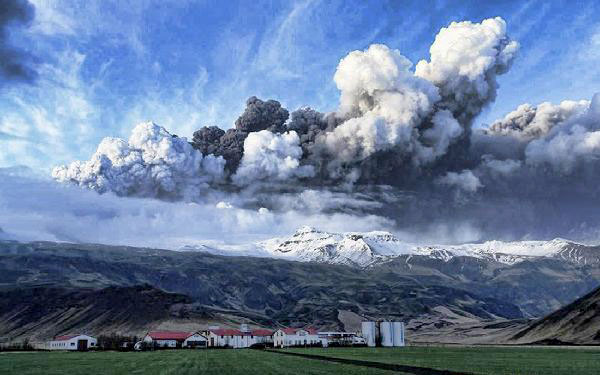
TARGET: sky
(104,66)
(417,142)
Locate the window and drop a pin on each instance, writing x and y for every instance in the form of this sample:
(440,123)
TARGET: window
(221,336)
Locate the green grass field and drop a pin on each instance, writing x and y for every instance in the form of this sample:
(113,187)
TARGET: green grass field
(476,360)
(242,361)
(479,360)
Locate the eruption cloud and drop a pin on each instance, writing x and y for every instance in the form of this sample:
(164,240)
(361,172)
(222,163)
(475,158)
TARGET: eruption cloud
(402,145)
(153,163)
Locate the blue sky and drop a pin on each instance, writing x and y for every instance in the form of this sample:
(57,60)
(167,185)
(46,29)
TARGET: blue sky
(105,66)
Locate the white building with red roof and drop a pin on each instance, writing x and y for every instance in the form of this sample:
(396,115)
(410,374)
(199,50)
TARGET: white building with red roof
(297,337)
(175,339)
(72,342)
(262,336)
(235,338)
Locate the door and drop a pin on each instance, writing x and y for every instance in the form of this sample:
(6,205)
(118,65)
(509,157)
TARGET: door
(82,345)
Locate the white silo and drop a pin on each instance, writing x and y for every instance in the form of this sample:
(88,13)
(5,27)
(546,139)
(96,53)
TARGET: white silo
(368,332)
(387,338)
(398,332)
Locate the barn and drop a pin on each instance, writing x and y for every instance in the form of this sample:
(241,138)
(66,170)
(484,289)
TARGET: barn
(175,339)
(297,337)
(72,342)
(232,338)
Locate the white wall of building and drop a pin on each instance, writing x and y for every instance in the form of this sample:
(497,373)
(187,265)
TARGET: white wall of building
(299,338)
(72,343)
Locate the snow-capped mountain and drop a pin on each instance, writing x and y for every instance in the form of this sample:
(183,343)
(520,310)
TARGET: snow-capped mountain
(365,249)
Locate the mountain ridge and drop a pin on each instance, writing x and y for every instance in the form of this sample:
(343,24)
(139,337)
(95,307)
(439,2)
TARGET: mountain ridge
(365,249)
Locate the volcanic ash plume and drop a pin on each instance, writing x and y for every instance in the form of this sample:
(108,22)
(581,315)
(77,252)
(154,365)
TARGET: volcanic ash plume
(402,144)
(271,156)
(153,163)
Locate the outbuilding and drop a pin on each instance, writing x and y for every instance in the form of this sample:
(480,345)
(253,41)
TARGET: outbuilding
(261,336)
(175,339)
(228,338)
(73,342)
(285,337)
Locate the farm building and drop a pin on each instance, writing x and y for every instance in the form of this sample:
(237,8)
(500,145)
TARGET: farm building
(175,339)
(261,336)
(234,338)
(383,333)
(340,338)
(297,337)
(72,342)
(224,337)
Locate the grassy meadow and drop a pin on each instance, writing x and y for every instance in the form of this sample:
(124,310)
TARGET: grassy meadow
(176,362)
(473,360)
(513,360)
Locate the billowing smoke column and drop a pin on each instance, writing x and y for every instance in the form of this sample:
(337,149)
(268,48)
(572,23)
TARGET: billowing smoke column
(271,156)
(402,144)
(465,59)
(153,163)
(259,115)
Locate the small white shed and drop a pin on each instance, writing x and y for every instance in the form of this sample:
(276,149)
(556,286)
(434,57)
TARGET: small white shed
(72,342)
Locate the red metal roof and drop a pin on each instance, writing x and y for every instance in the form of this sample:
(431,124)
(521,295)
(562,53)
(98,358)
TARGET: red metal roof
(227,332)
(293,331)
(65,337)
(169,335)
(261,332)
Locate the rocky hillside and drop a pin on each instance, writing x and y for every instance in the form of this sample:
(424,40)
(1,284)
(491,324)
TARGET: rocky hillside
(425,290)
(576,323)
(43,312)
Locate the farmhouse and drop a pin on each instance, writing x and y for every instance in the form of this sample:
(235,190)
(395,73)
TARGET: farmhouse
(175,339)
(261,336)
(231,338)
(297,337)
(72,342)
(234,338)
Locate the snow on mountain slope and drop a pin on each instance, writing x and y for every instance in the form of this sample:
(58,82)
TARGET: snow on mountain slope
(364,249)
(361,249)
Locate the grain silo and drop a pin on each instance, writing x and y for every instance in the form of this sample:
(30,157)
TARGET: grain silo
(398,333)
(387,334)
(369,332)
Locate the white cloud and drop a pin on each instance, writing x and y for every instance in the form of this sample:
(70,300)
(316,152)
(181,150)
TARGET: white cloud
(68,213)
(271,156)
(464,180)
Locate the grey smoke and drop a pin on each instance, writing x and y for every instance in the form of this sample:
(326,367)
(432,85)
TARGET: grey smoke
(16,64)
(260,115)
(400,146)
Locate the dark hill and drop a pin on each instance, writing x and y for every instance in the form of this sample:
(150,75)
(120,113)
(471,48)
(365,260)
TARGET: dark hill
(41,312)
(576,323)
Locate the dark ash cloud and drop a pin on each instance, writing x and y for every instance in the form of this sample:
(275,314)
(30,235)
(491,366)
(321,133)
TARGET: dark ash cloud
(400,146)
(16,63)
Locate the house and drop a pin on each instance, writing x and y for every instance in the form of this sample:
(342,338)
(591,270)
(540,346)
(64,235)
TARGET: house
(261,336)
(175,339)
(225,337)
(297,337)
(73,342)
